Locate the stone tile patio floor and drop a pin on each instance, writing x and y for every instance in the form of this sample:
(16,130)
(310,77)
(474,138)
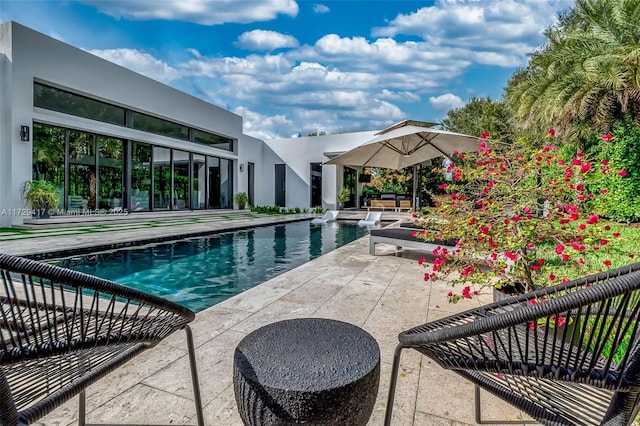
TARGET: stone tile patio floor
(384,295)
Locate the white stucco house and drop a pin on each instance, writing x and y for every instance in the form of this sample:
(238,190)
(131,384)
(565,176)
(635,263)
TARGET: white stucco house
(108,139)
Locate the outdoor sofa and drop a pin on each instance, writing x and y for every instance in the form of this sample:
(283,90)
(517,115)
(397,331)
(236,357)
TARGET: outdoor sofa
(404,236)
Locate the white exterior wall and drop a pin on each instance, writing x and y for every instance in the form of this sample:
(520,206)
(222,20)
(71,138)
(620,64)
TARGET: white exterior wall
(27,56)
(299,153)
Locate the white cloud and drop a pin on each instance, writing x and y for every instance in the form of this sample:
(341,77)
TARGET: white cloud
(265,127)
(140,62)
(205,12)
(320,8)
(495,32)
(265,40)
(446,102)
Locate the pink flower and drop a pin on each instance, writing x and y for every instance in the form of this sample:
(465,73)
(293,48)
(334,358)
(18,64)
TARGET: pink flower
(510,255)
(585,167)
(593,219)
(607,263)
(466,292)
(559,249)
(421,261)
(604,162)
(551,132)
(443,185)
(622,173)
(607,137)
(552,277)
(485,135)
(604,191)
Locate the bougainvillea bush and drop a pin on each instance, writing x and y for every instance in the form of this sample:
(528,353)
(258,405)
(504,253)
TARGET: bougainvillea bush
(516,215)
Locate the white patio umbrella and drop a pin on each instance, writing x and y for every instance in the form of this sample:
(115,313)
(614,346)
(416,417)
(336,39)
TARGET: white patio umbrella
(406,144)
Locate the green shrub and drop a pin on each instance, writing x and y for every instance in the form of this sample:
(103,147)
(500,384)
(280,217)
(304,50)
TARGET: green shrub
(622,201)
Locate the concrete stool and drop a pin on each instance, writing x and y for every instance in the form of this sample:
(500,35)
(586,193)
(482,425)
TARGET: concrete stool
(310,370)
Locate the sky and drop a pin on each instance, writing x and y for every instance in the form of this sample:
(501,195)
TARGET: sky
(290,68)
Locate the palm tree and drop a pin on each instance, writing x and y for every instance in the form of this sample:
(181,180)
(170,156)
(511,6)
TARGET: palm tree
(587,75)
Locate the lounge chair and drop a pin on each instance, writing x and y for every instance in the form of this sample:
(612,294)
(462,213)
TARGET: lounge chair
(62,330)
(565,355)
(329,216)
(404,237)
(372,219)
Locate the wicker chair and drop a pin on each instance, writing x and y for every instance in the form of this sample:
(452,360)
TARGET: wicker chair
(61,330)
(565,355)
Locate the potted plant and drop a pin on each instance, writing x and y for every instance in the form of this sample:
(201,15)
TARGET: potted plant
(520,218)
(41,196)
(343,197)
(241,199)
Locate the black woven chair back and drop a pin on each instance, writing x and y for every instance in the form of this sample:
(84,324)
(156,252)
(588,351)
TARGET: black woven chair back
(568,354)
(62,330)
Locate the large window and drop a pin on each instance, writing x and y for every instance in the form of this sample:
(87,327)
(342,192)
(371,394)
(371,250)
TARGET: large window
(161,178)
(180,180)
(70,103)
(110,173)
(213,179)
(82,171)
(316,184)
(93,172)
(216,141)
(49,155)
(140,177)
(199,181)
(150,124)
(226,184)
(81,106)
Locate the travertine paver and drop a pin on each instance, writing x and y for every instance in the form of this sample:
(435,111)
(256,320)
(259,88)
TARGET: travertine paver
(384,294)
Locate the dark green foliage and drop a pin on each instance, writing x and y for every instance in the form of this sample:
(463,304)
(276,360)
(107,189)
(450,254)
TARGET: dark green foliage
(622,202)
(481,115)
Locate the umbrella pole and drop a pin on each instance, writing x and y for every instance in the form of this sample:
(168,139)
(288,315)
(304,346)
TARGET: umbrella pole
(416,202)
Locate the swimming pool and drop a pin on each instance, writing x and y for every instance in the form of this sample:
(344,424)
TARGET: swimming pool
(200,272)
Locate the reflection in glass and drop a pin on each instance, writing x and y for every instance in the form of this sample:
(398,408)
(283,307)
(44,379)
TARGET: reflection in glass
(226,187)
(140,177)
(180,180)
(70,103)
(82,171)
(159,126)
(161,178)
(48,156)
(216,141)
(199,169)
(213,176)
(110,163)
(316,184)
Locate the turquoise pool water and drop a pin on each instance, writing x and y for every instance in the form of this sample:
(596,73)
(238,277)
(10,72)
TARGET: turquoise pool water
(200,272)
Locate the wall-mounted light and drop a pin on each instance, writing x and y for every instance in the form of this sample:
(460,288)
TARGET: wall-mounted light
(24,133)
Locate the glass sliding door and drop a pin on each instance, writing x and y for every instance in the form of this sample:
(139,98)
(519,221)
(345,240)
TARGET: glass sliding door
(226,184)
(49,156)
(140,177)
(213,180)
(181,180)
(161,178)
(82,171)
(110,163)
(199,181)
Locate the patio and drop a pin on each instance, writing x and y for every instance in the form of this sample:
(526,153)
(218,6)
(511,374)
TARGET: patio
(383,294)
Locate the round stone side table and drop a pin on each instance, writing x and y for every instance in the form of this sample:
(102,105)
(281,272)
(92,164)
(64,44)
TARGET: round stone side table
(310,371)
